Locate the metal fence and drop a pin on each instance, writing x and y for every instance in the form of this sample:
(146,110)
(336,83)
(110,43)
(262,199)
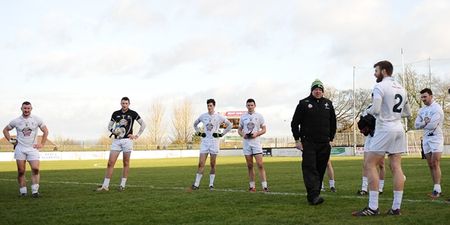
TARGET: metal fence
(341,140)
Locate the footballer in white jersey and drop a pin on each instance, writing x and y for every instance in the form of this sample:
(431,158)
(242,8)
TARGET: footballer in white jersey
(26,147)
(389,105)
(430,118)
(251,126)
(210,141)
(365,183)
(211,124)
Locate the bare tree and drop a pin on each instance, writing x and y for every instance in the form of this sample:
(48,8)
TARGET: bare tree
(60,140)
(155,124)
(104,140)
(440,90)
(182,122)
(343,105)
(413,84)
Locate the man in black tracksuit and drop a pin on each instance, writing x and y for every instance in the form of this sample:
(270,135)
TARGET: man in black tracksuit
(313,127)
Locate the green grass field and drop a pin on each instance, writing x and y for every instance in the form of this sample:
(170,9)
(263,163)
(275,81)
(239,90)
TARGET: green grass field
(157,194)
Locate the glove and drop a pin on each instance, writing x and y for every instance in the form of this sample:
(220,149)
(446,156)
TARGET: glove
(366,125)
(13,141)
(200,134)
(217,135)
(249,135)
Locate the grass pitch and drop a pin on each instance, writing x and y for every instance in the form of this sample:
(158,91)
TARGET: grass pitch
(157,193)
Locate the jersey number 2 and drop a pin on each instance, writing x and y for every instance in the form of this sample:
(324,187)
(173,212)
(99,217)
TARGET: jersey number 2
(395,108)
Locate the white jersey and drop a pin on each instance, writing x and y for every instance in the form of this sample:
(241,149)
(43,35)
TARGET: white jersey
(211,124)
(27,129)
(394,105)
(435,114)
(251,123)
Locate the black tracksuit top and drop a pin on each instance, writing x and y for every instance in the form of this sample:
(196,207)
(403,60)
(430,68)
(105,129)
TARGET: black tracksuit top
(314,120)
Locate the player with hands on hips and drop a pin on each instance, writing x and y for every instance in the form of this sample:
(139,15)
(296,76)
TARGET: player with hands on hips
(211,121)
(121,127)
(26,147)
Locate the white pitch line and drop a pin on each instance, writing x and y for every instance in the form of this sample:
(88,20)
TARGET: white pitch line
(235,191)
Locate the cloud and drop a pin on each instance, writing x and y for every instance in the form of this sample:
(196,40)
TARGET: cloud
(209,52)
(135,13)
(102,61)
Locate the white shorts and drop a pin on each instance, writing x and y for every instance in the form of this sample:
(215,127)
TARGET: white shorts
(209,146)
(367,142)
(252,147)
(125,145)
(432,144)
(26,153)
(390,142)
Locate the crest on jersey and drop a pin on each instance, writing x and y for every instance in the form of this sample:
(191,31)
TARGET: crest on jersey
(123,122)
(26,131)
(209,126)
(310,106)
(250,126)
(327,106)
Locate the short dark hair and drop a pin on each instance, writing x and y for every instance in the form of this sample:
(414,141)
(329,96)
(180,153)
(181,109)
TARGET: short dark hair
(26,103)
(251,100)
(125,99)
(211,100)
(426,90)
(385,65)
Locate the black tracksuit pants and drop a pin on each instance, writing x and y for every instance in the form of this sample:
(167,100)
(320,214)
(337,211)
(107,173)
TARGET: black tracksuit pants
(315,158)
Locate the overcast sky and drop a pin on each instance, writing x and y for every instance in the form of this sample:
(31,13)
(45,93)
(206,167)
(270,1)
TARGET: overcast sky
(74,60)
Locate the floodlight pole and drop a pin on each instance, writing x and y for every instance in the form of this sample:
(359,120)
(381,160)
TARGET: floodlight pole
(354,113)
(404,83)
(429,72)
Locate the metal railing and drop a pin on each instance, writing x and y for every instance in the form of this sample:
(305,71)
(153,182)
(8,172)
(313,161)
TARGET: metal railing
(340,140)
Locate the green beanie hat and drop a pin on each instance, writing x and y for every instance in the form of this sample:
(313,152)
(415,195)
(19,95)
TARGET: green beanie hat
(316,84)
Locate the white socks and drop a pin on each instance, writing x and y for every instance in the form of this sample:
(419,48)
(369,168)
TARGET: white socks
(264,184)
(252,184)
(123,182)
(23,190)
(373,200)
(198,178)
(381,186)
(34,188)
(106,182)
(437,188)
(331,183)
(365,183)
(398,195)
(211,179)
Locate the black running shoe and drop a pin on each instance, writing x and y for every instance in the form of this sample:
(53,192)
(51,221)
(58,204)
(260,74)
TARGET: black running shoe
(366,212)
(394,212)
(333,189)
(361,193)
(435,195)
(211,188)
(36,195)
(193,187)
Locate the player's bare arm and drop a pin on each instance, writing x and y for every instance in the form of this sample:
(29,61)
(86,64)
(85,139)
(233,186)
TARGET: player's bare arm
(44,130)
